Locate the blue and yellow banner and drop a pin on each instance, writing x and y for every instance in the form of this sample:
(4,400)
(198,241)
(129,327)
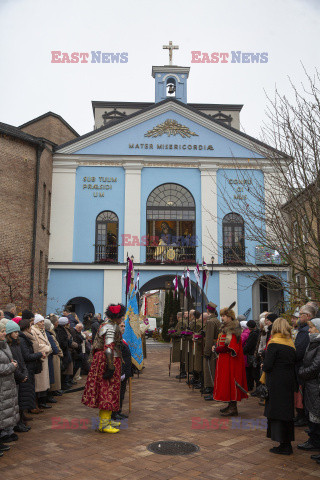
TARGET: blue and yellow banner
(132,331)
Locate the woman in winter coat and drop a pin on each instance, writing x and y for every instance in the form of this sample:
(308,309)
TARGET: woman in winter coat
(41,344)
(21,373)
(309,379)
(252,371)
(65,342)
(32,360)
(9,408)
(280,378)
(55,388)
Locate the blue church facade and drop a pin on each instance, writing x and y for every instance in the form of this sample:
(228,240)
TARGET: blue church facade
(156,183)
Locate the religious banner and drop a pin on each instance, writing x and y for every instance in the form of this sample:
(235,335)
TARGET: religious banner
(132,333)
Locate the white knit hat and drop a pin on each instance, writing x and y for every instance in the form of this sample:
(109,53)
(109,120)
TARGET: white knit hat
(63,321)
(316,323)
(38,318)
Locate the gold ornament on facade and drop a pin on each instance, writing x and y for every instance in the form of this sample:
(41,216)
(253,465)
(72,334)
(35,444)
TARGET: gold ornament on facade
(170,127)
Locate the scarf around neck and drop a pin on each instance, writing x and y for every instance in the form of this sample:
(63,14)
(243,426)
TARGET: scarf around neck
(281,340)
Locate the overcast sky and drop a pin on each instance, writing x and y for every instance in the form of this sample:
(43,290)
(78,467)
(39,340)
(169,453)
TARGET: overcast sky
(30,85)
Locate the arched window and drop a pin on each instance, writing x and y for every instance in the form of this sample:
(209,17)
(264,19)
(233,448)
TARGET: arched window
(106,246)
(233,239)
(171,215)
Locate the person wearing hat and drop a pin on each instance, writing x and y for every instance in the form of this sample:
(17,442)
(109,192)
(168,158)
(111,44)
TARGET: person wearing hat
(102,389)
(309,378)
(306,314)
(252,372)
(65,341)
(20,375)
(9,408)
(270,318)
(41,344)
(212,328)
(230,384)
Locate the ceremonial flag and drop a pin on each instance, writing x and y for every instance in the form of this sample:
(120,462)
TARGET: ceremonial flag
(189,281)
(136,285)
(132,333)
(197,275)
(175,284)
(204,274)
(182,280)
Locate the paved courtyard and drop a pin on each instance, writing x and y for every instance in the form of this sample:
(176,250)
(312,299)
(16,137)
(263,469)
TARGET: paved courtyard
(64,445)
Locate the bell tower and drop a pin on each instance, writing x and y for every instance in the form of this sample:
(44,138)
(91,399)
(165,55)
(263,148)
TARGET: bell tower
(170,80)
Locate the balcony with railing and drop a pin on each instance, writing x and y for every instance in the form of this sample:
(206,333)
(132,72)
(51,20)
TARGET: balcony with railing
(106,253)
(234,255)
(169,254)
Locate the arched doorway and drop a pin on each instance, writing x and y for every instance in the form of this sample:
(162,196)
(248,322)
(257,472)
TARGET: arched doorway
(267,295)
(80,305)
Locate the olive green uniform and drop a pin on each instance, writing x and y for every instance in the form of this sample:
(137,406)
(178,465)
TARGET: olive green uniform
(212,329)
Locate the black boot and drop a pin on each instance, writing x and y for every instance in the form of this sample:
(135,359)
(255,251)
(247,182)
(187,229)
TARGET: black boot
(282,449)
(231,411)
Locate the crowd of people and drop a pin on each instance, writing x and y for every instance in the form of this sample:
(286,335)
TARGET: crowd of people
(41,359)
(271,359)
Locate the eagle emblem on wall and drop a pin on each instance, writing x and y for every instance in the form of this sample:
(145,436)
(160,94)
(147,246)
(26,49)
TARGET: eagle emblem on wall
(170,127)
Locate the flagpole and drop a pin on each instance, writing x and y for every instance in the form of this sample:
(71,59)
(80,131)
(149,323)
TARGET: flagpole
(201,375)
(127,282)
(188,307)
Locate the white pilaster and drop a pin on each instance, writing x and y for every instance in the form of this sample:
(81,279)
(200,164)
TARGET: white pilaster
(62,211)
(112,287)
(132,216)
(209,230)
(228,287)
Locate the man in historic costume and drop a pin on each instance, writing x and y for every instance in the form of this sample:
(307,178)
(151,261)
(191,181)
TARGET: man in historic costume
(230,384)
(212,329)
(102,389)
(188,331)
(180,327)
(198,338)
(175,339)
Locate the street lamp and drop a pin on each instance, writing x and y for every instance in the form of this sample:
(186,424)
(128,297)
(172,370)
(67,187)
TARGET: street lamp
(212,262)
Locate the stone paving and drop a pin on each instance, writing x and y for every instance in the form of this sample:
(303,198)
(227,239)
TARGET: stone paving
(162,409)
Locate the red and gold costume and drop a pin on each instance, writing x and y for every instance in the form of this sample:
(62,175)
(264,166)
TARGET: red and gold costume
(230,367)
(102,389)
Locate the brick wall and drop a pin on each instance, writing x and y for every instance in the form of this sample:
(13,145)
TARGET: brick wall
(18,160)
(51,128)
(17,167)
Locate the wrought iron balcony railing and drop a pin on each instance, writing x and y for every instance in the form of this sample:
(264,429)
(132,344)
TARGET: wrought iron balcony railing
(171,254)
(234,255)
(106,253)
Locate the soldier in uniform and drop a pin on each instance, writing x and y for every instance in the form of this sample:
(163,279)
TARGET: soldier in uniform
(197,349)
(102,389)
(212,329)
(179,346)
(188,332)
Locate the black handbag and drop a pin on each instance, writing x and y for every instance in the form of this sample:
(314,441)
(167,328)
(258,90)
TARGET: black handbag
(263,392)
(38,367)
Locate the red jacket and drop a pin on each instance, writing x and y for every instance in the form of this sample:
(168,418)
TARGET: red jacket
(230,368)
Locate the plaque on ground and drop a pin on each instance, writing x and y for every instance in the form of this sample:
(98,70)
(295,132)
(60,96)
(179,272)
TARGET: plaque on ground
(172,448)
